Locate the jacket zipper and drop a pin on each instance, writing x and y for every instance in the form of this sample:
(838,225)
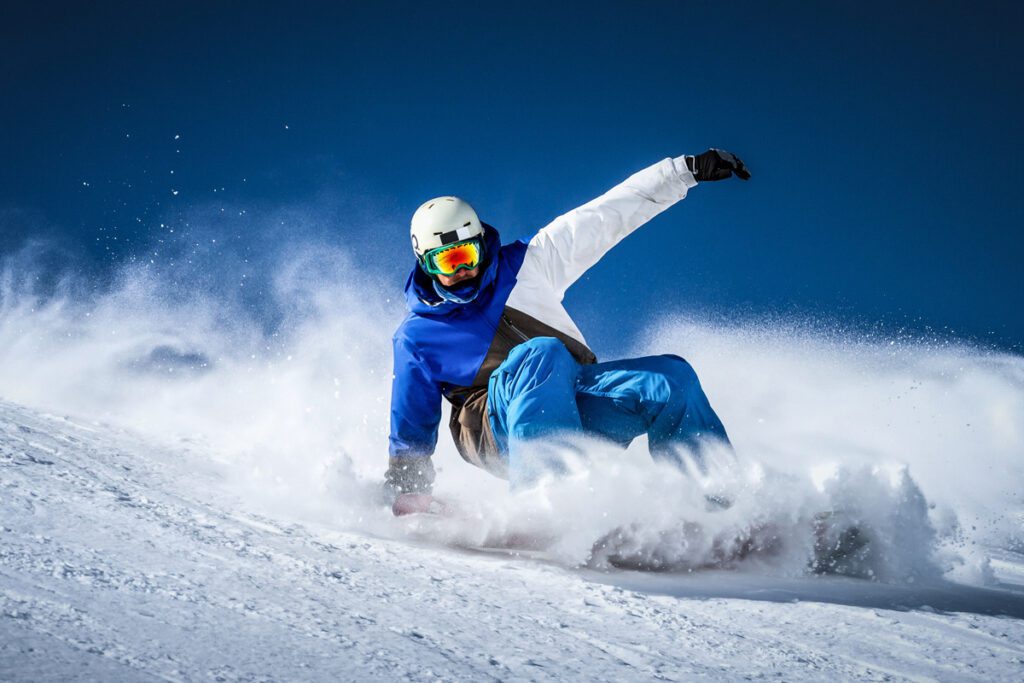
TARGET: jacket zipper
(516,330)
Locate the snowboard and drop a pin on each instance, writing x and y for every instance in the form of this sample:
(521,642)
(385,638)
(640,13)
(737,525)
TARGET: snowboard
(839,545)
(441,518)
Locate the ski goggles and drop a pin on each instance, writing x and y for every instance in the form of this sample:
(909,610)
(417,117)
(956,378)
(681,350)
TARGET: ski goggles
(451,258)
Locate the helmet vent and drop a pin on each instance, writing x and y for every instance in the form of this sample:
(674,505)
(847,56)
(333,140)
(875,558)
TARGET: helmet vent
(431,206)
(467,224)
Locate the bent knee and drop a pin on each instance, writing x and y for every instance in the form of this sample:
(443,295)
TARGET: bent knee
(545,346)
(677,372)
(538,352)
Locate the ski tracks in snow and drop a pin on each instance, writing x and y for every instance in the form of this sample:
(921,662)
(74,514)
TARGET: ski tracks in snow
(122,560)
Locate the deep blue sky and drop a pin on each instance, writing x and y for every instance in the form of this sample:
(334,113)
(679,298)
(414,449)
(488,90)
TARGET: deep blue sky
(883,137)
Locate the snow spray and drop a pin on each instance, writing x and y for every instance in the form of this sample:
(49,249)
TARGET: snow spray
(918,443)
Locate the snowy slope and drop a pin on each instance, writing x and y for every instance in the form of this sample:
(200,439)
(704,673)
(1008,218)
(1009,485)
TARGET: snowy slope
(208,512)
(123,559)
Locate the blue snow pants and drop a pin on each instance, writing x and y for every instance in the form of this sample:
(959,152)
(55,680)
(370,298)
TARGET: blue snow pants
(541,393)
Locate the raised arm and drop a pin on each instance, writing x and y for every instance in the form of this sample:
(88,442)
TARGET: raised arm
(564,249)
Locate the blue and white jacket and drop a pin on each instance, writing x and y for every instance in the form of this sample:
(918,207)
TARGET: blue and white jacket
(446,349)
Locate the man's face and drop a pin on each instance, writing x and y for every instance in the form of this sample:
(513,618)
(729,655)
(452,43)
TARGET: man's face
(459,276)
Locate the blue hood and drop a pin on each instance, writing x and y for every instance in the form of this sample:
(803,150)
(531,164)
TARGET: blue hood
(442,344)
(420,296)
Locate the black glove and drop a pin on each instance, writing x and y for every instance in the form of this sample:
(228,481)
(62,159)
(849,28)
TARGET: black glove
(408,475)
(716,164)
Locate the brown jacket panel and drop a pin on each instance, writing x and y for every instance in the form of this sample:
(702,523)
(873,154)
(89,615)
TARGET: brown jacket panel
(469,423)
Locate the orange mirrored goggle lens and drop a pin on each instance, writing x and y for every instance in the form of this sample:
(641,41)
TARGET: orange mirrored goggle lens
(449,260)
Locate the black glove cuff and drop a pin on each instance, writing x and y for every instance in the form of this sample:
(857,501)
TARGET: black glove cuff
(716,164)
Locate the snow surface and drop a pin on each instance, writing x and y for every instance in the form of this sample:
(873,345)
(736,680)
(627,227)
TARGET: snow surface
(125,561)
(187,493)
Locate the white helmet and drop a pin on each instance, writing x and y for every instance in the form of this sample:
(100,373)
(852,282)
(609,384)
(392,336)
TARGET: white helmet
(441,221)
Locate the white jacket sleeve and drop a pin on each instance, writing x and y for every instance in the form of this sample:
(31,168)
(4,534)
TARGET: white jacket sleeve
(563,250)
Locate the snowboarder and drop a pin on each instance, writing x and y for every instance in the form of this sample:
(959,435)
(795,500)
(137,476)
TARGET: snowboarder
(487,331)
